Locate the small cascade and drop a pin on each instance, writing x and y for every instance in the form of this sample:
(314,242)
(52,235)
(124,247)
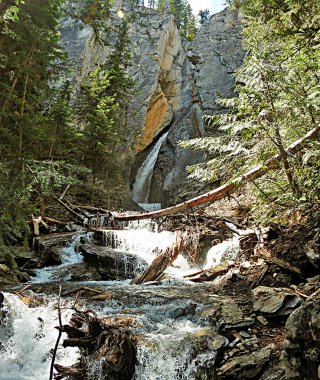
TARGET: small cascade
(144,242)
(69,255)
(141,187)
(228,250)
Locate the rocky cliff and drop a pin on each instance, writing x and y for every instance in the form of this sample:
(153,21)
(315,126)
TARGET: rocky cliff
(176,81)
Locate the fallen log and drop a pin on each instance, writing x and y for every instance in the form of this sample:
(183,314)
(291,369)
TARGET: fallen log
(227,188)
(53,221)
(64,192)
(105,342)
(267,255)
(162,262)
(70,371)
(81,218)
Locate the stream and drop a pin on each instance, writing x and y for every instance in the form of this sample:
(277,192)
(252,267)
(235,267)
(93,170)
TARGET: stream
(175,337)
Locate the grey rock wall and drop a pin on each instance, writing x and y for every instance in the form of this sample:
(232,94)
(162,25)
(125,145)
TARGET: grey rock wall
(212,59)
(176,81)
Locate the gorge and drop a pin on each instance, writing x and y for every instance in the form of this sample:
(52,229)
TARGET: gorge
(117,264)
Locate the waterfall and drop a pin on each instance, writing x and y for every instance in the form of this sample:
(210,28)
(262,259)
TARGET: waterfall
(141,187)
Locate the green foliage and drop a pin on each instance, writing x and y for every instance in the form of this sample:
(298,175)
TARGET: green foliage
(35,118)
(9,13)
(27,55)
(103,109)
(161,6)
(203,15)
(91,12)
(279,96)
(183,15)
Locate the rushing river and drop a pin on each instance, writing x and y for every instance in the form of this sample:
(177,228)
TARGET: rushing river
(169,319)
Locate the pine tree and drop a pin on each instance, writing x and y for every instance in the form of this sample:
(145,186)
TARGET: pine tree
(27,58)
(103,109)
(161,6)
(203,16)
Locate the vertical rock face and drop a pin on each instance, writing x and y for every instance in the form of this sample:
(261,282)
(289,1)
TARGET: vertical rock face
(176,83)
(216,53)
(211,60)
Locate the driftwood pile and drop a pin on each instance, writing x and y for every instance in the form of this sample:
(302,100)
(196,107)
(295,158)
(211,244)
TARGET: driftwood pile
(106,342)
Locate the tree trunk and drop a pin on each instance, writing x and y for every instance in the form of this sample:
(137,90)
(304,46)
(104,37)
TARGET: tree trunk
(23,102)
(162,262)
(228,188)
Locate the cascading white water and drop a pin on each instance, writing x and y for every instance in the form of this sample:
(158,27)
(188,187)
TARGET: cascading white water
(171,354)
(228,250)
(69,256)
(168,342)
(142,241)
(27,337)
(141,187)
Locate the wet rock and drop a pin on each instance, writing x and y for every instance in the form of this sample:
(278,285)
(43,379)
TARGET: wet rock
(43,243)
(247,366)
(7,276)
(81,272)
(245,335)
(274,301)
(302,353)
(313,254)
(47,248)
(208,343)
(184,311)
(112,265)
(230,316)
(50,257)
(27,261)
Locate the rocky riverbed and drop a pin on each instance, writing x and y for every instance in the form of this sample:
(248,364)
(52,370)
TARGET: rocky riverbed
(258,318)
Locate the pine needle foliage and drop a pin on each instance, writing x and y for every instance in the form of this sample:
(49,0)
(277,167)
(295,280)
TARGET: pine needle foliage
(278,102)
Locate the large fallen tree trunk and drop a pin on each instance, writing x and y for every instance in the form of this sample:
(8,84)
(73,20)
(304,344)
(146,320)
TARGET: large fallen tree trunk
(228,188)
(162,262)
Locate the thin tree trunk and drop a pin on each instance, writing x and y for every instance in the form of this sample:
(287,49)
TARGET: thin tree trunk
(284,159)
(13,85)
(53,141)
(228,188)
(23,102)
(283,155)
(6,102)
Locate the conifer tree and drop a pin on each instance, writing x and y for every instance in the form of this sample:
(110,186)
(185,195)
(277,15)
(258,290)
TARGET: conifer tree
(104,106)
(203,16)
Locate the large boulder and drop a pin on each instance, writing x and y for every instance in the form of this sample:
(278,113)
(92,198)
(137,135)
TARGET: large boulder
(48,248)
(228,315)
(302,352)
(275,301)
(111,264)
(246,366)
